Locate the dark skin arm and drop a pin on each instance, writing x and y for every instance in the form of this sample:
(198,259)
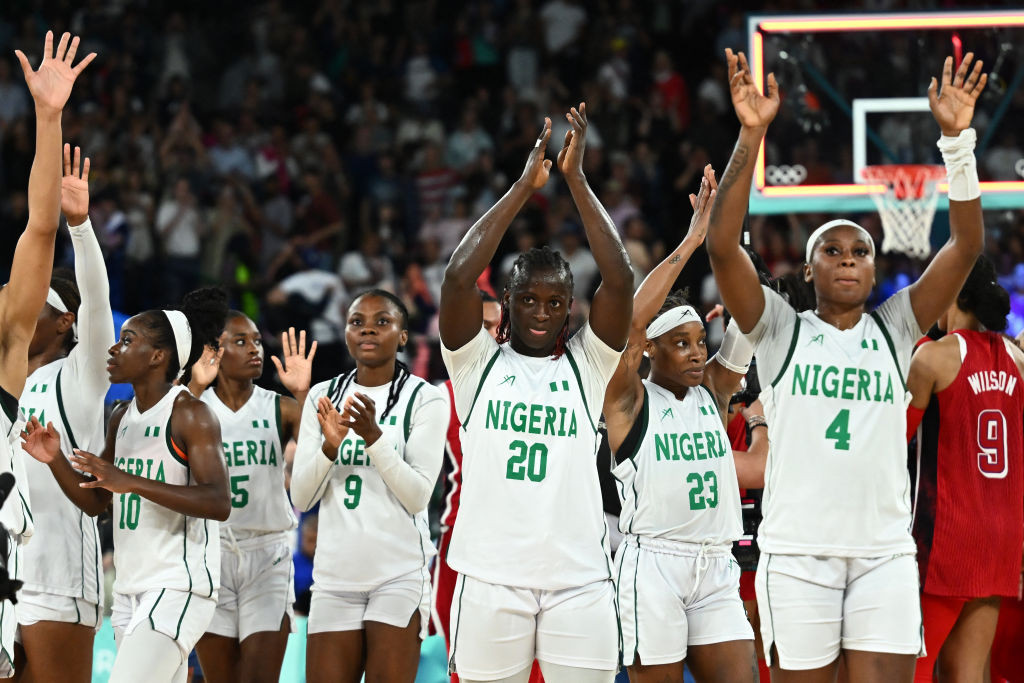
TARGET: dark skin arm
(953,109)
(461,315)
(196,430)
(43,444)
(734,273)
(624,395)
(612,305)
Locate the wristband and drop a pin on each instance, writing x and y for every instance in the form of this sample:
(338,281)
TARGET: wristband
(961,166)
(757,421)
(736,350)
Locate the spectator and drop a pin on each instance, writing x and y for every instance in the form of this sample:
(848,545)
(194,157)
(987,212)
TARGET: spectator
(180,227)
(367,268)
(303,559)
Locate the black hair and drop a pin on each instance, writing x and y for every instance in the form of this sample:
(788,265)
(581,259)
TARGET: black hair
(67,290)
(401,374)
(487,297)
(530,261)
(206,310)
(796,290)
(235,313)
(983,297)
(675,298)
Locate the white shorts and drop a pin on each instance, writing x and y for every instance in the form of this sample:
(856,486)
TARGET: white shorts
(498,630)
(257,587)
(812,607)
(182,617)
(8,614)
(34,607)
(391,603)
(671,595)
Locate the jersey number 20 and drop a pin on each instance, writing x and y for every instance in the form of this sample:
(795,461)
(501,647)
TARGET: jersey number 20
(529,462)
(992,442)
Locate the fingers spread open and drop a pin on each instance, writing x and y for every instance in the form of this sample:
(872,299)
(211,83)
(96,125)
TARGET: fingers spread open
(62,46)
(72,51)
(947,71)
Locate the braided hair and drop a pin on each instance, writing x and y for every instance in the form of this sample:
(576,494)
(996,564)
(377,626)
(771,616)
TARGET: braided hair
(401,374)
(535,259)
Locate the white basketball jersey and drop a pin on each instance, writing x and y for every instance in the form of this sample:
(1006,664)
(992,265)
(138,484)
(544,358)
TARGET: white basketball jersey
(531,514)
(155,547)
(254,455)
(16,513)
(679,481)
(65,557)
(366,536)
(836,481)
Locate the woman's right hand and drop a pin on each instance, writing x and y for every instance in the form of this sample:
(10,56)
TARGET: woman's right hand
(332,426)
(753,109)
(42,443)
(537,170)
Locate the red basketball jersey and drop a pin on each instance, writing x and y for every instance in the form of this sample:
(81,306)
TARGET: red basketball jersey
(969,512)
(452,465)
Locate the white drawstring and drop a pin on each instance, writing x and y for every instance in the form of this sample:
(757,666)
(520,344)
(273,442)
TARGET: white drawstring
(228,536)
(702,566)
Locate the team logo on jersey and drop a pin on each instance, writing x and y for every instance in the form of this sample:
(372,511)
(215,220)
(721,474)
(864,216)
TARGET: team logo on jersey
(509,379)
(565,385)
(153,430)
(873,346)
(818,339)
(35,388)
(667,413)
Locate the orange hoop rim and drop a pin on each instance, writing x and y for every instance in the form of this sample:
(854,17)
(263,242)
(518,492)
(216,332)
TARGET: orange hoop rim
(906,181)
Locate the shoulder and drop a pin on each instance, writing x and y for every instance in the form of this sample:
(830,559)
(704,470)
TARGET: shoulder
(323,388)
(189,412)
(117,415)
(424,390)
(934,356)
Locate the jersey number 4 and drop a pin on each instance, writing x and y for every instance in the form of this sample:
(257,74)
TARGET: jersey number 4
(992,459)
(839,430)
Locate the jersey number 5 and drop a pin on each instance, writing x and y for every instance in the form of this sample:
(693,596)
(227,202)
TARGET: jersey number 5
(992,441)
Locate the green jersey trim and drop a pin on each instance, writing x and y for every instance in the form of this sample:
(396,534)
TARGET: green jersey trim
(177,630)
(153,608)
(645,412)
(789,354)
(892,347)
(170,444)
(480,386)
(579,381)
(407,422)
(63,414)
(277,418)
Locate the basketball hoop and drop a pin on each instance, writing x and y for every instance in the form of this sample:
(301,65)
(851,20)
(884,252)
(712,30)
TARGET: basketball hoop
(907,206)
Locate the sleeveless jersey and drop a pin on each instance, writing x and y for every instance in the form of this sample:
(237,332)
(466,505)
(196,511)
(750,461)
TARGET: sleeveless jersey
(16,513)
(836,480)
(155,547)
(65,558)
(531,512)
(452,464)
(969,512)
(253,453)
(679,481)
(367,537)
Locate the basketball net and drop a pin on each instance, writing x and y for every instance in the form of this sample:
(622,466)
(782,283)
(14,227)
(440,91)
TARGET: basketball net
(907,206)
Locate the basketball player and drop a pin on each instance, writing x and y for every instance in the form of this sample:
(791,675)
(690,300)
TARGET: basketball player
(677,581)
(163,461)
(531,543)
(968,519)
(59,607)
(837,571)
(24,295)
(372,465)
(249,633)
(445,576)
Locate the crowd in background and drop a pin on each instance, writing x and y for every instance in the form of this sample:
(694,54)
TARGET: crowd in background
(298,153)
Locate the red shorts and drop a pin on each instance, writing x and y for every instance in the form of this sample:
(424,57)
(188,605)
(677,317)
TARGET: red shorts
(747,586)
(938,616)
(444,589)
(1007,653)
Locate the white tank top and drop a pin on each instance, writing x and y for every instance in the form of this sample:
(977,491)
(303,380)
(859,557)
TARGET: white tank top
(65,557)
(366,536)
(530,514)
(16,513)
(251,439)
(678,483)
(836,481)
(155,547)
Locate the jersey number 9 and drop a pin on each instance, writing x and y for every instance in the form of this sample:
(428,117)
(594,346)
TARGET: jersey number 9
(992,441)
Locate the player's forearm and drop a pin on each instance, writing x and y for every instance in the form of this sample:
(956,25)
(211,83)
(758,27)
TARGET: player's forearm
(602,236)
(91,501)
(94,320)
(651,293)
(44,178)
(723,241)
(209,501)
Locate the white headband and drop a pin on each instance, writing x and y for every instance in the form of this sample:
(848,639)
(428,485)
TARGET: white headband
(182,337)
(671,318)
(54,300)
(832,224)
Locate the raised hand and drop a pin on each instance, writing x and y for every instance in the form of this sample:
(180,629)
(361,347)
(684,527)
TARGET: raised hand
(570,159)
(701,203)
(537,167)
(42,443)
(332,425)
(50,85)
(753,109)
(105,474)
(297,369)
(74,187)
(362,418)
(953,104)
(205,370)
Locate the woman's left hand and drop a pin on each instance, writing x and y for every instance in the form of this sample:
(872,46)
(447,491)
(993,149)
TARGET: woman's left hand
(361,416)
